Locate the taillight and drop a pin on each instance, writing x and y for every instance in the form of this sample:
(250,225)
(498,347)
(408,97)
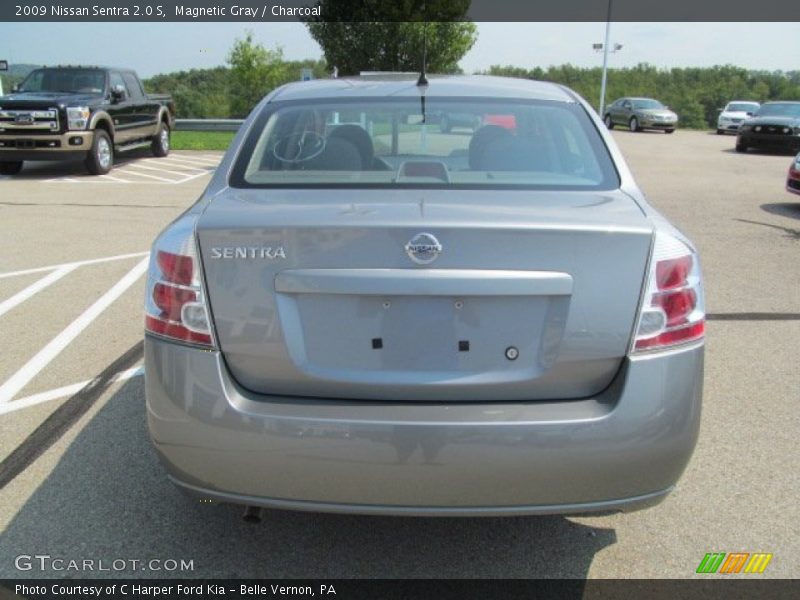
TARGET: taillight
(175,307)
(673,310)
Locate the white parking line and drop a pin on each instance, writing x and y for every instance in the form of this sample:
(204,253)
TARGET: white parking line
(22,377)
(182,165)
(32,289)
(134,172)
(143,166)
(192,161)
(77,263)
(67,390)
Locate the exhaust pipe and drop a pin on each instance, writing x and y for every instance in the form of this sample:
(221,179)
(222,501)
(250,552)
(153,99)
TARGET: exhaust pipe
(252,514)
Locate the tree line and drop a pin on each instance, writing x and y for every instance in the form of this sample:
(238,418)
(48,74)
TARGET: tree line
(695,93)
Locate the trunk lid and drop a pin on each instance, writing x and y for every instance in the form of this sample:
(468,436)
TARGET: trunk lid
(533,296)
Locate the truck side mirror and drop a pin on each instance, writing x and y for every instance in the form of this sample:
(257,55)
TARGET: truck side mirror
(118,92)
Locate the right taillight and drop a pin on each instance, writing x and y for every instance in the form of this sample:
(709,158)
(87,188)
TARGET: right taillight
(175,306)
(673,309)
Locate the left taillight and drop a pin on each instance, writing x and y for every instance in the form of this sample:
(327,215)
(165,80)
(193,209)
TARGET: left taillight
(175,305)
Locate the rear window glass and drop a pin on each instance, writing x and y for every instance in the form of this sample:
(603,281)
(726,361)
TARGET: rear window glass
(460,143)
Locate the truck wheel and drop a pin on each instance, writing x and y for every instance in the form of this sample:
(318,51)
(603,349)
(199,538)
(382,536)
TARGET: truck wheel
(101,156)
(11,167)
(160,144)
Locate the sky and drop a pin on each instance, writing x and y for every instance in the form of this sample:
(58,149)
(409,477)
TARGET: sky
(153,48)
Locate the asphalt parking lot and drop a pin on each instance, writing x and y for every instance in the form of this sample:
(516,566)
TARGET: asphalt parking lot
(70,305)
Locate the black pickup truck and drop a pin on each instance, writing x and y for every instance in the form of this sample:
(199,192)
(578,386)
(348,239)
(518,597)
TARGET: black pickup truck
(87,113)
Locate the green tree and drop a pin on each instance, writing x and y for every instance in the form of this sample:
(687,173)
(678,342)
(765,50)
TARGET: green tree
(255,71)
(375,35)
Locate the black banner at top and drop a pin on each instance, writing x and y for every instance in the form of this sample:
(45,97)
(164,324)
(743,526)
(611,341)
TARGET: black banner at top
(256,11)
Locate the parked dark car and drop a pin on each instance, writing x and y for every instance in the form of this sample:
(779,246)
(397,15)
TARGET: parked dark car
(793,178)
(776,126)
(87,113)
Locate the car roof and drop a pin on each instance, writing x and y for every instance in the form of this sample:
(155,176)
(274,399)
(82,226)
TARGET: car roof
(439,86)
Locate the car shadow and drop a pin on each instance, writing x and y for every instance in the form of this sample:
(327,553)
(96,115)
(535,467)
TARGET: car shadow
(762,151)
(783,209)
(108,498)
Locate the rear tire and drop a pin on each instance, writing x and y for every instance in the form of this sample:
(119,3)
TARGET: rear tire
(609,122)
(741,147)
(633,124)
(101,156)
(160,145)
(10,167)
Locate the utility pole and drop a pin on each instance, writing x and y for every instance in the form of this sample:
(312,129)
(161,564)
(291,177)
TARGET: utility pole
(605,61)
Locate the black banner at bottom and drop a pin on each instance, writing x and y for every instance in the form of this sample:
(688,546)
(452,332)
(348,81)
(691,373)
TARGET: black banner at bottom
(399,589)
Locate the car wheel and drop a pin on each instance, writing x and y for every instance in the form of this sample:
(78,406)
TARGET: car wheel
(11,167)
(609,122)
(160,145)
(633,125)
(444,124)
(720,132)
(101,156)
(669,131)
(741,147)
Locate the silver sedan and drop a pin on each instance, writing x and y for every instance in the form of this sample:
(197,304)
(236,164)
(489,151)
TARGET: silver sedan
(365,314)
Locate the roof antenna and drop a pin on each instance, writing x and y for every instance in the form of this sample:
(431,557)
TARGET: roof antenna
(422,79)
(422,82)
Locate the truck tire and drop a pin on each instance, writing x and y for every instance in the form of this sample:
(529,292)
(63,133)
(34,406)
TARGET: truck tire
(10,167)
(101,156)
(160,144)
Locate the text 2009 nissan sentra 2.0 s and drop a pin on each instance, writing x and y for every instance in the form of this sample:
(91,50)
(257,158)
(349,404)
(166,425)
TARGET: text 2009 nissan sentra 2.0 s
(364,313)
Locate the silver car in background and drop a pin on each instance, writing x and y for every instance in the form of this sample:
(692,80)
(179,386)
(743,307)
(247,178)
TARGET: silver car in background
(364,314)
(638,114)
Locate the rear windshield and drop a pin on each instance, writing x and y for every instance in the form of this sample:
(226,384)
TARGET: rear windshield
(742,107)
(80,81)
(455,143)
(788,109)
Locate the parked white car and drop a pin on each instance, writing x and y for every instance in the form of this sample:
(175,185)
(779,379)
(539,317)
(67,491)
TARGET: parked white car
(734,114)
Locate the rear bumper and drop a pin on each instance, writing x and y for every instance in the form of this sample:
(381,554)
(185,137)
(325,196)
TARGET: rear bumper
(621,450)
(46,147)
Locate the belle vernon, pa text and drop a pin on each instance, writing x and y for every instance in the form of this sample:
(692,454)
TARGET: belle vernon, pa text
(253,12)
(206,590)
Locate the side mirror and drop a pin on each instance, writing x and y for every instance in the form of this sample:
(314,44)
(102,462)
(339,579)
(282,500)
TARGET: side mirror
(118,92)
(15,87)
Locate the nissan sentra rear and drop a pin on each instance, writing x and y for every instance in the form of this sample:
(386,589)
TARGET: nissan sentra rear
(365,312)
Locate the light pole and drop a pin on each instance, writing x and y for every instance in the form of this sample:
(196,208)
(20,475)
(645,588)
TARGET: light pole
(605,48)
